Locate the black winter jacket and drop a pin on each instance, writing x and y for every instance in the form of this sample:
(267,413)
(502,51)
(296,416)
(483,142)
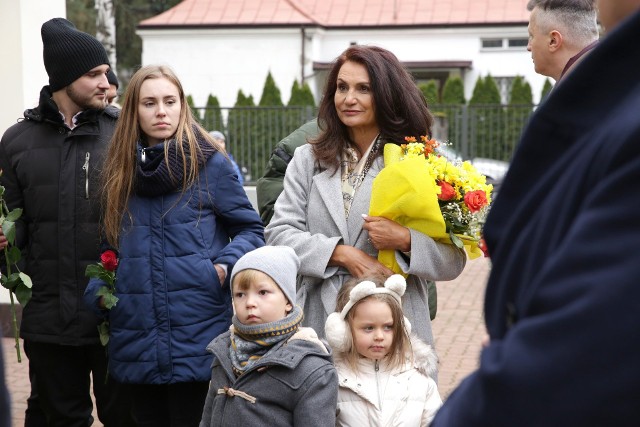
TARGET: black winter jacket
(52,173)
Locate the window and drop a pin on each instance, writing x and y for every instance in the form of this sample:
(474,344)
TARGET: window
(492,43)
(518,42)
(515,43)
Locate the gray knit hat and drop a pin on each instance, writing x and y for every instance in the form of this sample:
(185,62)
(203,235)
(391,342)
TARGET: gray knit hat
(278,262)
(217,135)
(69,53)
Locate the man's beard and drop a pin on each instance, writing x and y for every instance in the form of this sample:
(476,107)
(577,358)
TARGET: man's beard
(86,102)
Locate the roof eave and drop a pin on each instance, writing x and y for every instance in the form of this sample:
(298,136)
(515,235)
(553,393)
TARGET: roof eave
(329,27)
(222,26)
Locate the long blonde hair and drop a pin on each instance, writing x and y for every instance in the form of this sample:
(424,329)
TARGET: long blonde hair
(118,172)
(400,349)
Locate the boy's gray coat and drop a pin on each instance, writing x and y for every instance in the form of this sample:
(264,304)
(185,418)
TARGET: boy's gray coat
(294,384)
(309,217)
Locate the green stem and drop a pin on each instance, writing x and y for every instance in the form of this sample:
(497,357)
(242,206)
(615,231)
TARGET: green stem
(15,327)
(14,320)
(16,331)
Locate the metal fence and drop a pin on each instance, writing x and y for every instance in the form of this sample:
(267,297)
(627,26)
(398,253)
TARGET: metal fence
(472,130)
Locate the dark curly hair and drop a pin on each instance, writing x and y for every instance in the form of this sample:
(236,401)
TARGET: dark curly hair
(400,108)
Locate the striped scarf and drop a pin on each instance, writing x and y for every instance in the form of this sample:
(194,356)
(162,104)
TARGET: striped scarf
(250,342)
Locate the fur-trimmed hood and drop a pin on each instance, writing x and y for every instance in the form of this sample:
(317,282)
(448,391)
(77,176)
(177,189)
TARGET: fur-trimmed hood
(425,359)
(309,335)
(386,395)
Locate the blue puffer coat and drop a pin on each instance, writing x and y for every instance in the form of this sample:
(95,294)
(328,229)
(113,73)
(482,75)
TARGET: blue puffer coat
(171,302)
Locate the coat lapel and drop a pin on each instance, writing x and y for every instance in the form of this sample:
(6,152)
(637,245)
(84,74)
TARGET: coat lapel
(330,191)
(361,201)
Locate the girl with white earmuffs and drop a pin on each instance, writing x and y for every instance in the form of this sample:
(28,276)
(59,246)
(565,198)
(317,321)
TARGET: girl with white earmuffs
(385,375)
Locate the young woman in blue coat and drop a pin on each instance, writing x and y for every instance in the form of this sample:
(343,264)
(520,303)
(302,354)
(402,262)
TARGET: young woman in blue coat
(179,219)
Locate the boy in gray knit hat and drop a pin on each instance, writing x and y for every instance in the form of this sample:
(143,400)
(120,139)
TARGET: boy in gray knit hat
(50,162)
(301,386)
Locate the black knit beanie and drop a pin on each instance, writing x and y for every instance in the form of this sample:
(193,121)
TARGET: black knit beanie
(113,79)
(69,53)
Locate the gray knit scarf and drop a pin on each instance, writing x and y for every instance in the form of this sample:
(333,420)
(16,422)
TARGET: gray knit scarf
(250,342)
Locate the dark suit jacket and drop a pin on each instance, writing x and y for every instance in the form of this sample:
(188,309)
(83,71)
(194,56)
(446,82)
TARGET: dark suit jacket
(563,298)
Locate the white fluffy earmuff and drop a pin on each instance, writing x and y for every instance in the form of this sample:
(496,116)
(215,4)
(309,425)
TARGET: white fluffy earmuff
(335,327)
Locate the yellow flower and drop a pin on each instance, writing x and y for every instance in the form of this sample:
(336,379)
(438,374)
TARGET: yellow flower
(407,190)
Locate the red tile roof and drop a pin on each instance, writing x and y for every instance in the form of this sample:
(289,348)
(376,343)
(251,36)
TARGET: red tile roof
(341,13)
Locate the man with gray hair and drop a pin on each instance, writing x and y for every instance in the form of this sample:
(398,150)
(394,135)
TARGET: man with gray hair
(561,32)
(562,301)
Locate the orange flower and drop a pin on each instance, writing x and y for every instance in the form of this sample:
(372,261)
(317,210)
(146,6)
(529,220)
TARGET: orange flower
(475,200)
(447,192)
(429,144)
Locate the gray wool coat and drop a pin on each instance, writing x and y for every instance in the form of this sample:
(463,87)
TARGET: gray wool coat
(294,384)
(309,217)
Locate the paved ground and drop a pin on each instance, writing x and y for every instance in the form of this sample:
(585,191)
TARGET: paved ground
(459,326)
(458,329)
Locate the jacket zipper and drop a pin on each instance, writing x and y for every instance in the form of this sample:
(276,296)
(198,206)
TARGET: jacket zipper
(85,168)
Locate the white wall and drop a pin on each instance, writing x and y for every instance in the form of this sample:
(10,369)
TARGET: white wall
(453,44)
(220,62)
(225,60)
(22,72)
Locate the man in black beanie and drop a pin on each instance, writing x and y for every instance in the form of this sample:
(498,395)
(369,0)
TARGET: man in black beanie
(50,164)
(112,93)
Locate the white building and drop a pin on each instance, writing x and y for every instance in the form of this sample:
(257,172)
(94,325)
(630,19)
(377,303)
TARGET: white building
(21,68)
(220,46)
(22,72)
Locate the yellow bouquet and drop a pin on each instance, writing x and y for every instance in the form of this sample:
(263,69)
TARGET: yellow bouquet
(422,190)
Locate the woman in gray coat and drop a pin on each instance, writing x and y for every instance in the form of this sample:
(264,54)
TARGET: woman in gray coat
(369,100)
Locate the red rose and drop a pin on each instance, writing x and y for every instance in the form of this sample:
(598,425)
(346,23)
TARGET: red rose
(475,200)
(447,192)
(483,247)
(109,260)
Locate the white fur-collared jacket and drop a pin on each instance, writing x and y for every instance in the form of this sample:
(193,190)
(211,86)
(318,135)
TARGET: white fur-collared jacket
(377,396)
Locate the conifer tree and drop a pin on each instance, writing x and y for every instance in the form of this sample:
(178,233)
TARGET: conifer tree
(486,120)
(271,121)
(306,96)
(430,92)
(242,131)
(301,106)
(453,104)
(270,93)
(453,91)
(213,115)
(518,113)
(546,88)
(194,110)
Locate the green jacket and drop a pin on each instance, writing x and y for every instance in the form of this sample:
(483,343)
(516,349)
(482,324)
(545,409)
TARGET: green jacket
(271,184)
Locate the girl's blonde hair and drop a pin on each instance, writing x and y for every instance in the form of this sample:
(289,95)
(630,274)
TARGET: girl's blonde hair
(400,347)
(118,174)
